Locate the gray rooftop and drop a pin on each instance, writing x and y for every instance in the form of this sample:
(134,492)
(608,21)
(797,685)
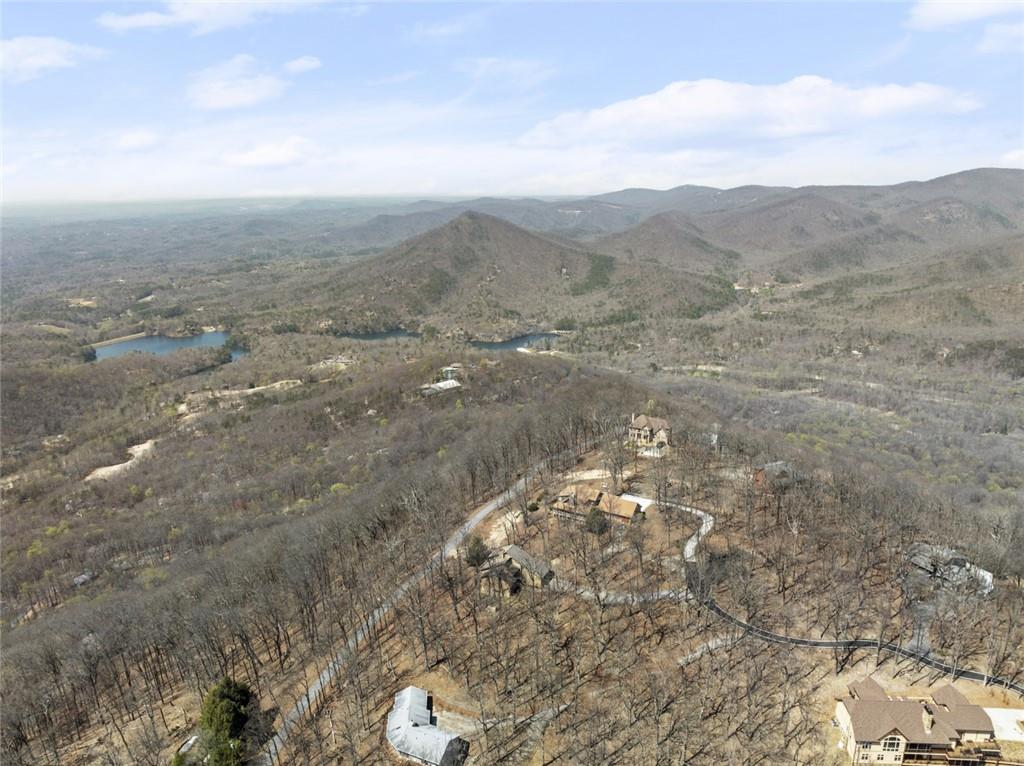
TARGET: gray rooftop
(413,732)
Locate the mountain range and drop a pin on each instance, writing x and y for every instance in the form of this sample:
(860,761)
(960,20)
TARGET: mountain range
(494,267)
(814,229)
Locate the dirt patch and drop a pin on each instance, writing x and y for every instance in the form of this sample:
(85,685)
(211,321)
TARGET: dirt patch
(137,452)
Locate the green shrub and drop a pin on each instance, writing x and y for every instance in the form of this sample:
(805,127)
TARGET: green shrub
(226,709)
(597,522)
(477,552)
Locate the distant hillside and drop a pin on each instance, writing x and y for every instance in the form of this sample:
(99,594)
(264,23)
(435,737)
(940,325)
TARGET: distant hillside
(784,223)
(672,239)
(690,199)
(819,231)
(482,276)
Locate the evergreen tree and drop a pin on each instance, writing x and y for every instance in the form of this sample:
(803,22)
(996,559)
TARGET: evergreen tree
(477,552)
(224,715)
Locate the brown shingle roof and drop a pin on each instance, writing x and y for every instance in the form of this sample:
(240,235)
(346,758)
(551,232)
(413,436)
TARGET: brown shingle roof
(872,720)
(646,421)
(867,689)
(961,716)
(874,715)
(949,695)
(617,506)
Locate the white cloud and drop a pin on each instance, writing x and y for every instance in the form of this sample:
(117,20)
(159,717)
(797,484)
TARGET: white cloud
(691,108)
(460,147)
(397,78)
(1013,159)
(290,151)
(448,28)
(1003,37)
(355,10)
(203,17)
(930,14)
(241,155)
(136,140)
(26,58)
(520,73)
(234,83)
(302,64)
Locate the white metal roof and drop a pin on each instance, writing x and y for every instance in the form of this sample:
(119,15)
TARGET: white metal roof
(411,730)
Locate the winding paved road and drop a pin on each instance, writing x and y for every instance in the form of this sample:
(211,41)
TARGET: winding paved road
(862,643)
(697,590)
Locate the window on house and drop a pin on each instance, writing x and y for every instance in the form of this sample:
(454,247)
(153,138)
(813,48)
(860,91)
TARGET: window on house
(891,744)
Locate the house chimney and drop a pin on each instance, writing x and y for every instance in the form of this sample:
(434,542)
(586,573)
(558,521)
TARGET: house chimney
(927,719)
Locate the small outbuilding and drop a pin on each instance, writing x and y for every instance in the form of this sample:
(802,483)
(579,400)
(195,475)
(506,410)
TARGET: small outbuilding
(777,476)
(432,389)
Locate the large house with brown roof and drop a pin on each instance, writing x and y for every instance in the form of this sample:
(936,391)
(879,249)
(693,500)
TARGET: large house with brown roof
(645,431)
(576,501)
(946,728)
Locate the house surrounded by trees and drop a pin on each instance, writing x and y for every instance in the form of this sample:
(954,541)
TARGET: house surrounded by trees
(876,728)
(645,432)
(510,568)
(575,502)
(413,732)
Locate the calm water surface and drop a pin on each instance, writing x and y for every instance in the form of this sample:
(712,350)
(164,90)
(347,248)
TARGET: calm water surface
(162,344)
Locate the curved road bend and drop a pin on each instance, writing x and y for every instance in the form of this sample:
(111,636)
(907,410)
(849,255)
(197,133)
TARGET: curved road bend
(862,643)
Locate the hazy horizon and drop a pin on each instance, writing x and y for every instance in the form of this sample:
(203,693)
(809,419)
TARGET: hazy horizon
(251,203)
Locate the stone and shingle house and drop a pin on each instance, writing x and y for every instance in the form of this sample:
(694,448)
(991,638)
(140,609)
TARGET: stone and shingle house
(879,729)
(510,568)
(645,431)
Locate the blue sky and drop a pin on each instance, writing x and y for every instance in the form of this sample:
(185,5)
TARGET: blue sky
(210,99)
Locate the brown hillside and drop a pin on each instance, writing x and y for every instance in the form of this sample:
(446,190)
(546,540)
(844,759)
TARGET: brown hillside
(672,239)
(489,277)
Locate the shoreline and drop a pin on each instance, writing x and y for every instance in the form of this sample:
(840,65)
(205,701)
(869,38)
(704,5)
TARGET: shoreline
(112,341)
(137,335)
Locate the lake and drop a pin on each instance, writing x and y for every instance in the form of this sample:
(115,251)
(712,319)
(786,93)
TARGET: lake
(163,344)
(520,341)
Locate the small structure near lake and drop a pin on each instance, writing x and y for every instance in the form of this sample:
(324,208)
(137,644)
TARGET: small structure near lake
(413,732)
